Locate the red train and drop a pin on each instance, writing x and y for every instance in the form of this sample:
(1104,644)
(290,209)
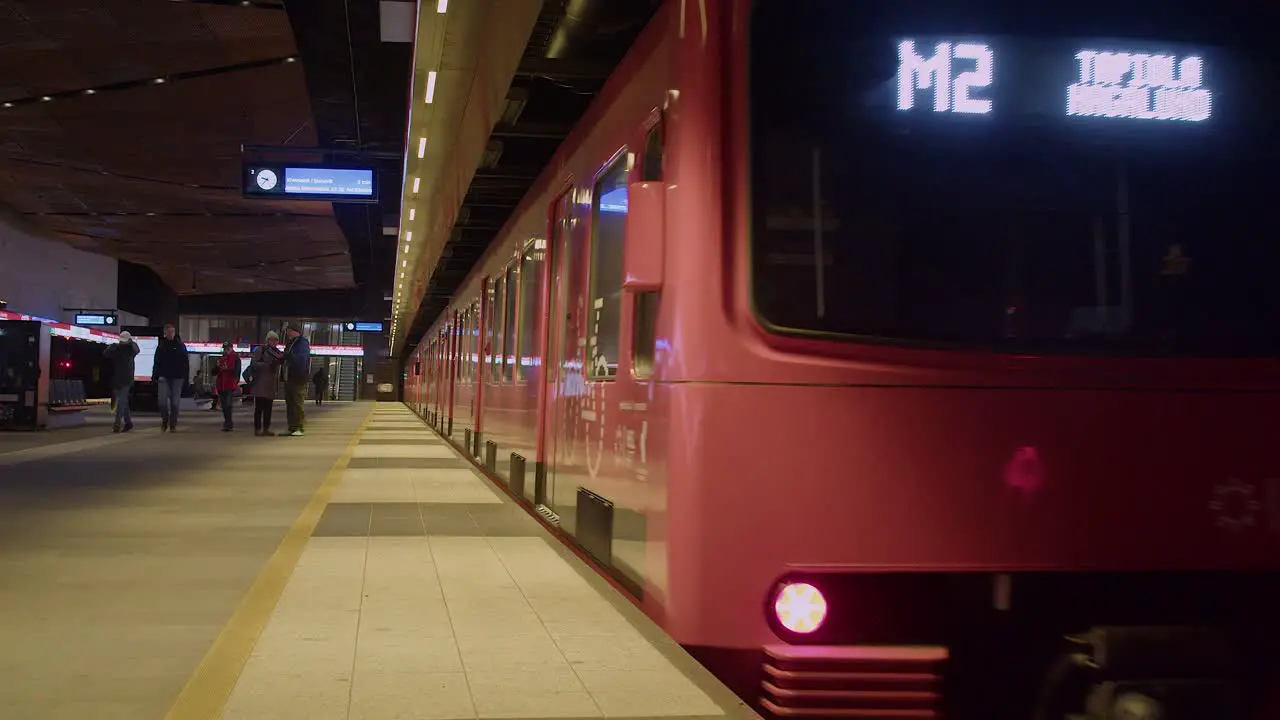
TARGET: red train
(903,363)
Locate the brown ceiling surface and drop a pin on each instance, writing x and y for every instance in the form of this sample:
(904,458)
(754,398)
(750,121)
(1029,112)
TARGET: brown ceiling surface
(166,156)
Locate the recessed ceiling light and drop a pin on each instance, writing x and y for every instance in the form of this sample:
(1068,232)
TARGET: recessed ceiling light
(431,87)
(416,183)
(422,147)
(442,5)
(412,212)
(408,236)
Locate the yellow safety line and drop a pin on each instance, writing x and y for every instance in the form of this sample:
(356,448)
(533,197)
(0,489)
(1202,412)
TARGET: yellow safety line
(210,686)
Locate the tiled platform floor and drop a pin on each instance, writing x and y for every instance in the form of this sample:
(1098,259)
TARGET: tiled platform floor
(97,419)
(423,593)
(123,556)
(204,574)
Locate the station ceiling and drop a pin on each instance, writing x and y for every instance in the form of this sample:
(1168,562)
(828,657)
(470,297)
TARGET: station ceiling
(120,130)
(122,124)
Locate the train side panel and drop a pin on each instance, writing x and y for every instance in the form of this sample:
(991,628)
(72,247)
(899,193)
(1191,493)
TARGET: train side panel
(597,430)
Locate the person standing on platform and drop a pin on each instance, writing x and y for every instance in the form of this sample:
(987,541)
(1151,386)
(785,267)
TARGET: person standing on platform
(171,370)
(121,355)
(321,381)
(227,383)
(297,374)
(264,382)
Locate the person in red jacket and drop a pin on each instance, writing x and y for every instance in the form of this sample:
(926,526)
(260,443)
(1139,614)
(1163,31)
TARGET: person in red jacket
(227,383)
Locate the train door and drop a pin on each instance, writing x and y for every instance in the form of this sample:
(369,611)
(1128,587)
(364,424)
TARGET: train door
(641,251)
(465,394)
(433,354)
(442,371)
(424,382)
(416,397)
(454,335)
(429,362)
(563,353)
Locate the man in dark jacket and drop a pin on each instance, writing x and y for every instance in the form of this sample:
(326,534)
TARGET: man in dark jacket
(321,380)
(170,374)
(121,355)
(297,375)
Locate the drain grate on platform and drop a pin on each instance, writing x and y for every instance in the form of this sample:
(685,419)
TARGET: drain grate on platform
(549,515)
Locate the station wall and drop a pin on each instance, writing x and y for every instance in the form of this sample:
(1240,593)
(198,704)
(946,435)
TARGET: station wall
(39,276)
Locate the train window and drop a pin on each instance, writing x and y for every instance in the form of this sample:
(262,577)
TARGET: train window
(464,324)
(465,346)
(509,325)
(651,162)
(473,343)
(491,322)
(644,336)
(608,228)
(906,218)
(496,334)
(530,304)
(467,340)
(455,359)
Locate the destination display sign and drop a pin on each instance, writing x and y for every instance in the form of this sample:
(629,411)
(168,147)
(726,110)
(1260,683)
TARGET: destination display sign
(95,319)
(309,182)
(946,76)
(365,327)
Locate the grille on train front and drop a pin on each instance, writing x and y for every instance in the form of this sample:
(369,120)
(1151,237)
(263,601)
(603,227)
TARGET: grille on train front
(864,682)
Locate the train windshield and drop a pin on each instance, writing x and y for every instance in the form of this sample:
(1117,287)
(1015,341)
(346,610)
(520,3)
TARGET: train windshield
(1015,177)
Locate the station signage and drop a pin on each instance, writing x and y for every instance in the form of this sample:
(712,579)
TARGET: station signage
(282,181)
(215,348)
(96,318)
(365,327)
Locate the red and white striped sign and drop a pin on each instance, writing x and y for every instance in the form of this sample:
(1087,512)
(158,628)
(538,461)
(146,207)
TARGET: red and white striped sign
(67,330)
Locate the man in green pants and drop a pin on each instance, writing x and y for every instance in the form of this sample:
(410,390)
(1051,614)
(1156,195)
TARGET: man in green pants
(297,375)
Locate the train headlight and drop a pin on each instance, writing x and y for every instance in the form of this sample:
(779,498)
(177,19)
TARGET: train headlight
(800,607)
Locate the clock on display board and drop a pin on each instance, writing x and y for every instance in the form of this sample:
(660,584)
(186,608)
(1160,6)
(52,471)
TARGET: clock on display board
(267,179)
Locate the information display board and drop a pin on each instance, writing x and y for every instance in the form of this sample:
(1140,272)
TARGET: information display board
(96,319)
(309,182)
(365,327)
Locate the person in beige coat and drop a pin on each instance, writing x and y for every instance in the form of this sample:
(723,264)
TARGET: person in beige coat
(264,382)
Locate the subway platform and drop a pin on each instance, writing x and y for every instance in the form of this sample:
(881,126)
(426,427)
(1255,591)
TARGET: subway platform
(363,571)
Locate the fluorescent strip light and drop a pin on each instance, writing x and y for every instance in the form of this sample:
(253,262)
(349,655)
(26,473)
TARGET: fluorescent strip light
(408,236)
(431,86)
(416,183)
(412,212)
(422,147)
(442,5)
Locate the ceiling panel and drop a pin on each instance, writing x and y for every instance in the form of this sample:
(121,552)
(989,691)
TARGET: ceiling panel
(150,173)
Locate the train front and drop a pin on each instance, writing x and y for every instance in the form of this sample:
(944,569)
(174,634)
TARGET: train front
(1012,276)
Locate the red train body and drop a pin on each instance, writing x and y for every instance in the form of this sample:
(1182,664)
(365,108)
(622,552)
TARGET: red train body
(960,505)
